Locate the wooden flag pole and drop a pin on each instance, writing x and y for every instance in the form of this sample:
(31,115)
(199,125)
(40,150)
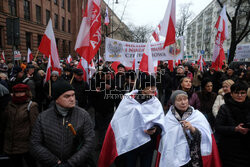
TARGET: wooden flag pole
(72,79)
(36,54)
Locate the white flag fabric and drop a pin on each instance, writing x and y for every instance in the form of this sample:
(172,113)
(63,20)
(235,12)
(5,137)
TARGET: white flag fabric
(126,129)
(106,22)
(147,63)
(29,56)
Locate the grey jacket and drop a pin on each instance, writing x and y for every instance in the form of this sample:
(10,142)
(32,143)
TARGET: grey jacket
(52,140)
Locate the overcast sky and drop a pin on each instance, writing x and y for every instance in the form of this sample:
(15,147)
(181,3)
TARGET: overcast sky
(150,12)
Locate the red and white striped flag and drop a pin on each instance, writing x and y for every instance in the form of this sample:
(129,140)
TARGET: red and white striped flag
(106,22)
(201,62)
(115,142)
(48,71)
(83,64)
(29,56)
(69,59)
(222,34)
(156,32)
(89,36)
(3,57)
(48,47)
(168,24)
(147,64)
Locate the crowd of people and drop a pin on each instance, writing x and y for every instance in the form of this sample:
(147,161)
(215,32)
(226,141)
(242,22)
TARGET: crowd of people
(60,122)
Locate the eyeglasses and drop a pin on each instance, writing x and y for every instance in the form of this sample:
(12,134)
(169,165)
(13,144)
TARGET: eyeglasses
(240,93)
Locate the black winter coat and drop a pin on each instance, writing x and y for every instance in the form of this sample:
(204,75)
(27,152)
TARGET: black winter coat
(234,147)
(51,139)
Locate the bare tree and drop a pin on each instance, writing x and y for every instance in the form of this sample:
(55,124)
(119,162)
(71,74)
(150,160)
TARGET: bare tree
(185,14)
(141,33)
(240,26)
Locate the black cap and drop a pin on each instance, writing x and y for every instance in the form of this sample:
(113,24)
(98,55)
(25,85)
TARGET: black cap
(78,71)
(60,87)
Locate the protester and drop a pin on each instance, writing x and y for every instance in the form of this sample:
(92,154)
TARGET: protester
(30,79)
(188,136)
(136,123)
(19,118)
(193,99)
(81,88)
(180,73)
(207,98)
(230,74)
(215,77)
(219,101)
(188,73)
(233,127)
(63,135)
(196,82)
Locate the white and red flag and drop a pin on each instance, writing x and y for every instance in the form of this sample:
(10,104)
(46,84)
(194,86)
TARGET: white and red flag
(69,59)
(106,21)
(91,69)
(89,36)
(147,64)
(126,129)
(3,57)
(201,62)
(222,34)
(29,56)
(136,63)
(48,71)
(168,23)
(48,47)
(174,149)
(83,64)
(156,32)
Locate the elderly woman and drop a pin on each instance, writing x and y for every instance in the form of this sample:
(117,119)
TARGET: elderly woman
(220,98)
(188,136)
(233,127)
(193,99)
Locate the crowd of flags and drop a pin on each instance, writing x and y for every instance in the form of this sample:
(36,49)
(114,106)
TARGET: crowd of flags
(89,40)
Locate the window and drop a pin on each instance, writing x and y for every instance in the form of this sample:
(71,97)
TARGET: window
(55,2)
(68,5)
(57,42)
(1,37)
(38,14)
(63,4)
(39,39)
(12,7)
(56,21)
(64,47)
(69,26)
(63,23)
(28,39)
(47,16)
(26,6)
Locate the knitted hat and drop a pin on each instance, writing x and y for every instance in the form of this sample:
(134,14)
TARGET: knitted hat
(20,88)
(56,73)
(176,93)
(78,71)
(60,87)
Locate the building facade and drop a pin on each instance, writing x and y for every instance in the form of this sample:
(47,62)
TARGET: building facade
(201,32)
(32,17)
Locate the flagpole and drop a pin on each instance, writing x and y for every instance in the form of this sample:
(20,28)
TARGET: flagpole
(49,88)
(36,54)
(72,79)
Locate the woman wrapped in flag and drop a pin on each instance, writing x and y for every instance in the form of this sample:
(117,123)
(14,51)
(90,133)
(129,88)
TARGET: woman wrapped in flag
(188,139)
(133,130)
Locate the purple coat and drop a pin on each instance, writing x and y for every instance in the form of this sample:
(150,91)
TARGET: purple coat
(193,100)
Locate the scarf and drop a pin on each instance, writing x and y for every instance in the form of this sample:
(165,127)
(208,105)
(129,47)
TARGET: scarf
(20,100)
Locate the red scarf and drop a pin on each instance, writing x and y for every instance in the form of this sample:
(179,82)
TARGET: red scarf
(20,100)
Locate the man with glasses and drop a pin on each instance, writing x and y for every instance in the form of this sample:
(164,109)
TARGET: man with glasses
(233,127)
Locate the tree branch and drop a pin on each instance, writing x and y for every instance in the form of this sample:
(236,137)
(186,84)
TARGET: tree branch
(243,34)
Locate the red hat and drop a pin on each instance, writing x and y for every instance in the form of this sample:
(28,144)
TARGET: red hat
(20,88)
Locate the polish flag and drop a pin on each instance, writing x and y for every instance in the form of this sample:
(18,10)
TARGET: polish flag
(91,69)
(69,59)
(126,129)
(89,36)
(83,64)
(29,56)
(48,47)
(168,24)
(222,34)
(175,152)
(147,64)
(201,62)
(48,71)
(106,22)
(3,57)
(156,32)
